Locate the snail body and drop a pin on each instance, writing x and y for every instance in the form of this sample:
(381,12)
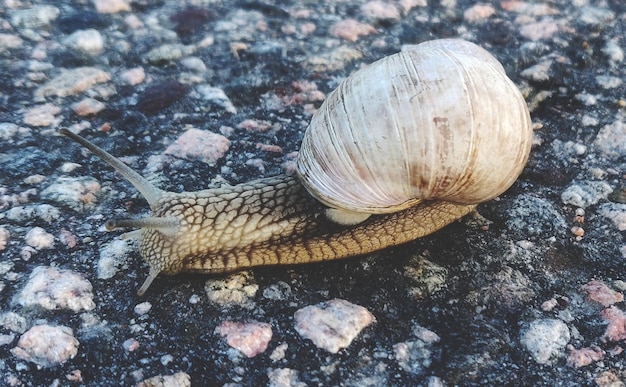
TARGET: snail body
(402,148)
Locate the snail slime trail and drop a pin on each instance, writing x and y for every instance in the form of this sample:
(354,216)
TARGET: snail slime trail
(442,113)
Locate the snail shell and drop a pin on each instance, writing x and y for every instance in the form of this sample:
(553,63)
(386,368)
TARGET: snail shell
(440,120)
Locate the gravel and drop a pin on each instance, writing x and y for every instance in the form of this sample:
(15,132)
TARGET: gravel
(532,294)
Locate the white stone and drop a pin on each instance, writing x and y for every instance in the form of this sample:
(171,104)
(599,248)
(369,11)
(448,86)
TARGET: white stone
(545,340)
(89,41)
(47,345)
(112,258)
(53,288)
(38,238)
(586,193)
(332,325)
(236,289)
(611,139)
(77,193)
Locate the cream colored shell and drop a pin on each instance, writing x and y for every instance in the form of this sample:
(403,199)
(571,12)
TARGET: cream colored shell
(440,120)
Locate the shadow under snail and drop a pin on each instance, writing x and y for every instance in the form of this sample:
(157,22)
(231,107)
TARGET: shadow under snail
(399,150)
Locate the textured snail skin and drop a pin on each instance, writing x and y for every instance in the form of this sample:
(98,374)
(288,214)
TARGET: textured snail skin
(274,221)
(270,221)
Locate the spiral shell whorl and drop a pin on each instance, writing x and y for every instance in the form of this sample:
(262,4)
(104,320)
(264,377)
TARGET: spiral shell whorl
(438,121)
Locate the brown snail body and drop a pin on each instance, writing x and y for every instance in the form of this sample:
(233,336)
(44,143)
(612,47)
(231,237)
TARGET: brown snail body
(481,146)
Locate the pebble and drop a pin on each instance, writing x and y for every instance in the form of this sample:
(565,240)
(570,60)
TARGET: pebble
(614,52)
(4,238)
(380,10)
(611,139)
(595,15)
(75,376)
(46,345)
(616,324)
(9,130)
(236,289)
(278,291)
(38,238)
(9,41)
(216,96)
(43,115)
(586,193)
(26,214)
(413,356)
(6,339)
(254,126)
(351,30)
(169,53)
(332,325)
(133,76)
(53,288)
(88,107)
(88,41)
(194,63)
(616,213)
(599,292)
(608,81)
(13,322)
(179,379)
(611,378)
(73,81)
(284,377)
(578,358)
(426,335)
(478,12)
(67,238)
(202,145)
(112,6)
(587,99)
(77,193)
(528,8)
(250,338)
(545,340)
(538,73)
(112,257)
(541,30)
(143,308)
(279,352)
(37,16)
(130,345)
(333,60)
(589,120)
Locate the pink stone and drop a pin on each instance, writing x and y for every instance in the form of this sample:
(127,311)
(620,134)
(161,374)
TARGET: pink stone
(582,357)
(42,115)
(616,327)
(541,30)
(251,338)
(269,148)
(380,10)
(253,126)
(73,81)
(196,144)
(351,29)
(599,292)
(133,76)
(111,6)
(478,12)
(88,107)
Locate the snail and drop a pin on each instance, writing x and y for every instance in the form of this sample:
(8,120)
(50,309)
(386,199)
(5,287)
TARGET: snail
(403,147)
